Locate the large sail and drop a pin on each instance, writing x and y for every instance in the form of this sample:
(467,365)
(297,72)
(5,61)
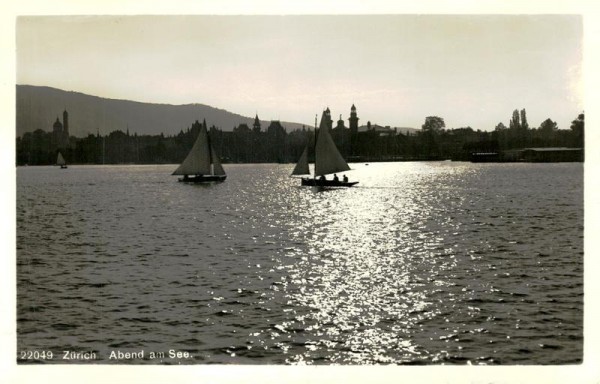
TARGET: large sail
(60,160)
(327,157)
(302,165)
(217,167)
(197,161)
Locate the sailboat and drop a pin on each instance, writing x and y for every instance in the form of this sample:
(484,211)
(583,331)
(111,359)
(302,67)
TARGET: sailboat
(202,163)
(60,160)
(328,159)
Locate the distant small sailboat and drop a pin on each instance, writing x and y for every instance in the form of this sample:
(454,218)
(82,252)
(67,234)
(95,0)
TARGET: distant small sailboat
(328,159)
(60,160)
(202,163)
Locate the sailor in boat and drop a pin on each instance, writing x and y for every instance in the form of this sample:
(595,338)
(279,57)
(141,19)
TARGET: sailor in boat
(335,177)
(345,178)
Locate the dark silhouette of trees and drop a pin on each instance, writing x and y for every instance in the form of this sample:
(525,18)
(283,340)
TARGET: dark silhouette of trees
(548,127)
(244,150)
(433,123)
(500,127)
(515,122)
(524,125)
(429,136)
(577,128)
(275,144)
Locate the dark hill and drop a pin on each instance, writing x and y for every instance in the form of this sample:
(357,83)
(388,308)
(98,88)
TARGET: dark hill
(38,107)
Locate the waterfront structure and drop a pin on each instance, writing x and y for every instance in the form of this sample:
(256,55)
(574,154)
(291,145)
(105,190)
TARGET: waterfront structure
(551,155)
(530,155)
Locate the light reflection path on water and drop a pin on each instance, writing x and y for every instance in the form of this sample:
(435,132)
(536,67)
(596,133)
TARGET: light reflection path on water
(368,272)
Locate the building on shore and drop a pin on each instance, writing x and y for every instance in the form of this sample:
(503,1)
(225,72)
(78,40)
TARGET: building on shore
(60,132)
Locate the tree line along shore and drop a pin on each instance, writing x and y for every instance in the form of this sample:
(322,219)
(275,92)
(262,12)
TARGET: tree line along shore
(275,144)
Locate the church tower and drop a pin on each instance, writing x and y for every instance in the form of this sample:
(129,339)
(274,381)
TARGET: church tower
(57,128)
(353,120)
(66,123)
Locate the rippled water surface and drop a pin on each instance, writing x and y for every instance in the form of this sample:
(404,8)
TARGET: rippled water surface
(421,263)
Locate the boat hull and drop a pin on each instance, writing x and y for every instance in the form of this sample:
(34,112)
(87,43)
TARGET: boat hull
(326,183)
(203,179)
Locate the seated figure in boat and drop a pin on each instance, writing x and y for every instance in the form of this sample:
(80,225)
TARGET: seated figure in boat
(335,177)
(322,178)
(345,178)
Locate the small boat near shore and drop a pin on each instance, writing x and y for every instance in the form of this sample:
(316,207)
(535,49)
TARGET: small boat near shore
(60,160)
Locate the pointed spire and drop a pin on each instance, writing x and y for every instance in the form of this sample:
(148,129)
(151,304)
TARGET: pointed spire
(256,125)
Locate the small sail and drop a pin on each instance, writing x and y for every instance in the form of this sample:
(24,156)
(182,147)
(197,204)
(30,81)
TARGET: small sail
(60,160)
(327,157)
(302,165)
(217,167)
(197,161)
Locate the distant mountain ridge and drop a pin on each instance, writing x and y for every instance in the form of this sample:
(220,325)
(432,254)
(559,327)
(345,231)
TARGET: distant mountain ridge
(38,107)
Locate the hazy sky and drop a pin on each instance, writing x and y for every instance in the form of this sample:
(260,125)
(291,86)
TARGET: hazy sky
(397,69)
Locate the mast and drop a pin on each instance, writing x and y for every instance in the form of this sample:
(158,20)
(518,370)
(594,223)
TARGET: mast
(315,148)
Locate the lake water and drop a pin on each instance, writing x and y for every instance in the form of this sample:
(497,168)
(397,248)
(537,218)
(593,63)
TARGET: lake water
(421,263)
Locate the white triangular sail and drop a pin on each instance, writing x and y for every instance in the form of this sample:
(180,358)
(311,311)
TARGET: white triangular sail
(197,161)
(60,160)
(327,157)
(302,165)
